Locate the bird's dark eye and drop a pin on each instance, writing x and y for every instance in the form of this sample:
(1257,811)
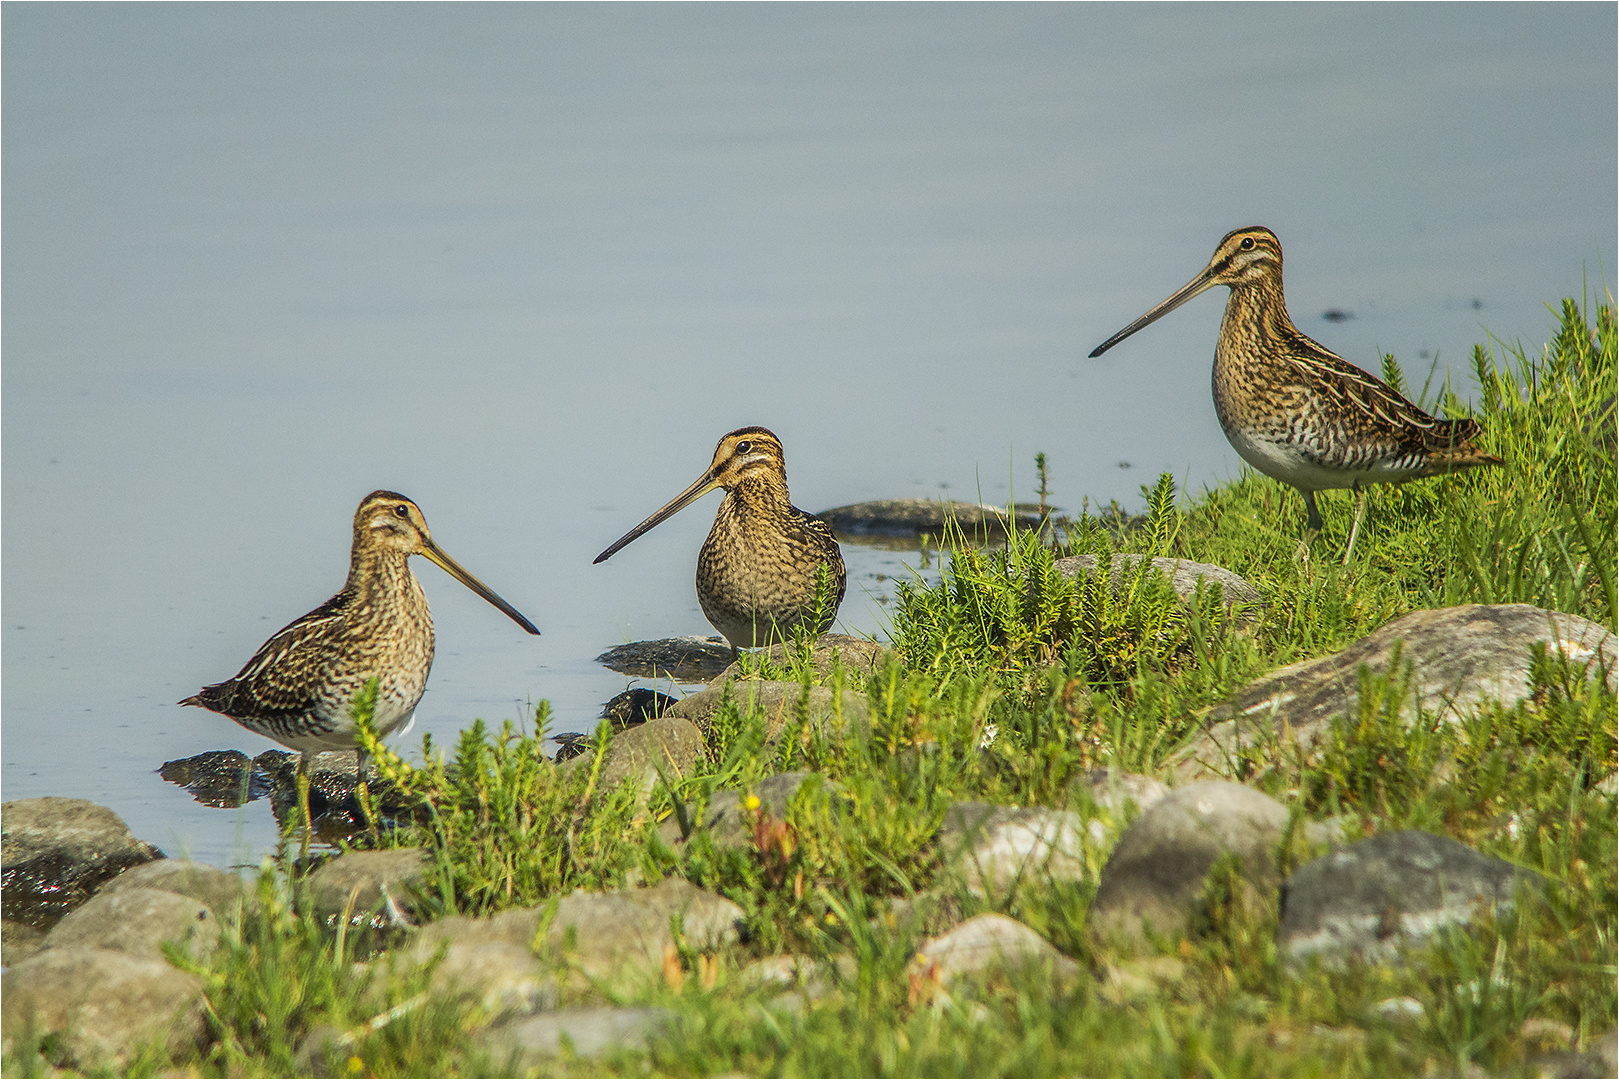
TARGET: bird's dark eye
(400,511)
(1247,243)
(744,447)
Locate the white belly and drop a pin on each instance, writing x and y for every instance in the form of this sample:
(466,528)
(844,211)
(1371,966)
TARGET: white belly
(1292,464)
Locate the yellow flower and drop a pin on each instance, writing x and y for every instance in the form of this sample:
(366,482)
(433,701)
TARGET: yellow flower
(751,802)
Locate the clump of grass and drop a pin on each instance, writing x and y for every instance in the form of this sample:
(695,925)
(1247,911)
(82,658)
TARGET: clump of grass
(503,825)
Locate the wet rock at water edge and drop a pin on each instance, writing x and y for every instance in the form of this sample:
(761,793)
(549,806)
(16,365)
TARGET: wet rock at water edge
(1184,577)
(1460,657)
(1394,890)
(380,889)
(998,848)
(333,802)
(222,778)
(1158,870)
(690,659)
(57,852)
(985,942)
(633,707)
(138,922)
(588,1032)
(913,517)
(670,743)
(103,1003)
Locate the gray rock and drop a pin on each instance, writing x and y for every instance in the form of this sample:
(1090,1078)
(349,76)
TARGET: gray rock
(1393,890)
(683,659)
(671,742)
(603,934)
(105,1003)
(728,823)
(18,941)
(1184,577)
(1157,871)
(778,701)
(589,1032)
(912,517)
(857,656)
(366,883)
(505,978)
(984,942)
(1461,656)
(220,890)
(1113,789)
(55,853)
(138,922)
(996,848)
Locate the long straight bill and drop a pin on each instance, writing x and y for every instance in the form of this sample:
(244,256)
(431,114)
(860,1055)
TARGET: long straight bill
(703,486)
(453,568)
(1192,288)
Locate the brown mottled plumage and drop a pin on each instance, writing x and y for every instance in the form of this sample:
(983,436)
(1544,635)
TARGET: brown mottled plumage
(298,687)
(757,571)
(1298,412)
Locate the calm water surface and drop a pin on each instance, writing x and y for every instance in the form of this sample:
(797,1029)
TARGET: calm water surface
(527,264)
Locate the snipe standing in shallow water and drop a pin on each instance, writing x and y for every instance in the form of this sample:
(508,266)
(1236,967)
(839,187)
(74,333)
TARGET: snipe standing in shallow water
(299,686)
(1296,411)
(758,569)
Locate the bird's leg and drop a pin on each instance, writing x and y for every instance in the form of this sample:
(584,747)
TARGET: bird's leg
(1311,527)
(1360,511)
(303,804)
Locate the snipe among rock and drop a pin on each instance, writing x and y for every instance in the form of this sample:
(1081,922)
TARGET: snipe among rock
(759,569)
(1298,412)
(298,688)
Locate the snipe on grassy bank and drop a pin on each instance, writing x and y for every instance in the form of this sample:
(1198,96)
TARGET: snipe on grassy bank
(299,686)
(757,572)
(1298,412)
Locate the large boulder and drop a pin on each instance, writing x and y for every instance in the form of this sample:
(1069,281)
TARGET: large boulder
(1370,899)
(1158,870)
(105,1004)
(55,853)
(1460,657)
(138,922)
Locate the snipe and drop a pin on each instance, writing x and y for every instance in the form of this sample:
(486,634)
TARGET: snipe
(1298,412)
(758,570)
(299,686)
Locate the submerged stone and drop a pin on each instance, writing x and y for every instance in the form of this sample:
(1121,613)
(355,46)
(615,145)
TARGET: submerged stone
(690,659)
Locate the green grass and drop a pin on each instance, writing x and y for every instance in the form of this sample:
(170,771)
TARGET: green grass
(1068,679)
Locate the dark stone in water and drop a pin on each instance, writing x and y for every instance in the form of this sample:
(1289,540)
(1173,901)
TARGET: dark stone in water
(223,778)
(913,517)
(683,659)
(631,708)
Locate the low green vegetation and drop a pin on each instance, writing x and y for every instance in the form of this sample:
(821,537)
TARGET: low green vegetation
(1008,684)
